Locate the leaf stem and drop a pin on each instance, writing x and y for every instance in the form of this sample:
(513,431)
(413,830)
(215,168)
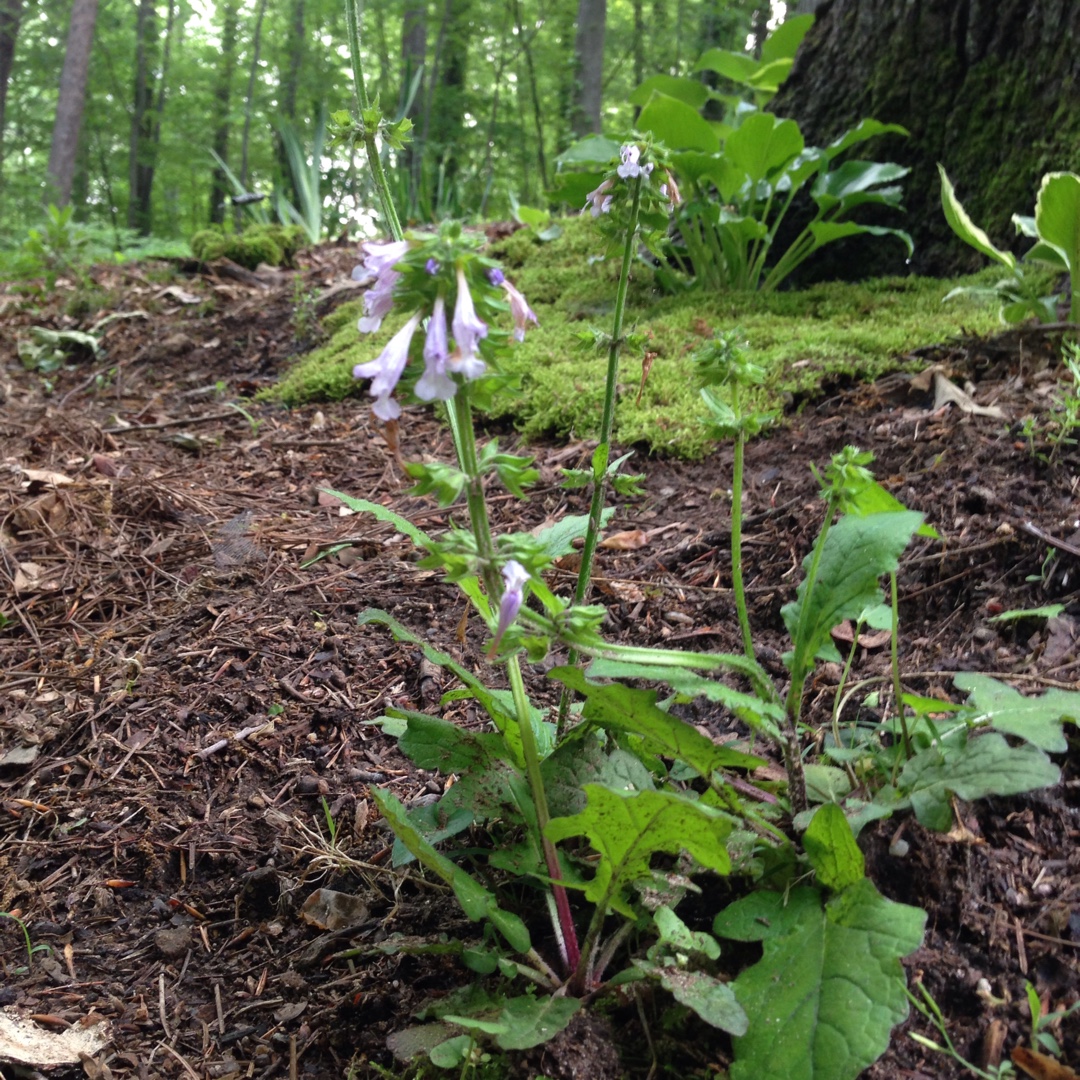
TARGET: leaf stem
(736,530)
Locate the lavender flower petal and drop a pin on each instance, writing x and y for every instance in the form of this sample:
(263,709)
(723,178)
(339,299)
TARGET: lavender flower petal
(468,328)
(520,310)
(385,370)
(435,384)
(515,575)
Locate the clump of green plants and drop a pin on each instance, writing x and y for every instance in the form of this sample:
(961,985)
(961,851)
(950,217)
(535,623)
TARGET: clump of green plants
(275,245)
(1064,418)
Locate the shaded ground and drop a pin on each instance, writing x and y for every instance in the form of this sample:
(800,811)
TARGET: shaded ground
(156,576)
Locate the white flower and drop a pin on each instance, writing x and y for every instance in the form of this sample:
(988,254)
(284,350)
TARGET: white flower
(385,370)
(598,199)
(630,154)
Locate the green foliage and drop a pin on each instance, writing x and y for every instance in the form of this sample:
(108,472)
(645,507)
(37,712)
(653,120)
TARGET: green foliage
(1056,231)
(275,245)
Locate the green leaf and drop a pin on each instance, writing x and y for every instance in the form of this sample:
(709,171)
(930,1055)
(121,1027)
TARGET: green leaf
(692,92)
(858,550)
(714,1001)
(825,232)
(580,761)
(863,130)
(736,66)
(626,829)
(986,765)
(475,900)
(365,506)
(1048,611)
(558,539)
(675,933)
(831,849)
(965,228)
(530,1021)
(592,150)
(620,708)
(1036,719)
(783,43)
(763,144)
(825,996)
(450,1054)
(764,915)
(1057,216)
(680,126)
(854,176)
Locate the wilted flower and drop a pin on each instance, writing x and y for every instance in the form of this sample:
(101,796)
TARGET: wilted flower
(379,299)
(385,370)
(515,575)
(468,329)
(599,198)
(519,309)
(435,384)
(670,191)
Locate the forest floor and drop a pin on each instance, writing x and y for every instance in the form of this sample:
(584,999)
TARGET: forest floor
(161,594)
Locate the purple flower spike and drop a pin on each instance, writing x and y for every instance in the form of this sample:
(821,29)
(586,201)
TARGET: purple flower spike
(433,266)
(496,276)
(598,199)
(379,299)
(386,369)
(515,575)
(468,328)
(435,384)
(630,167)
(520,310)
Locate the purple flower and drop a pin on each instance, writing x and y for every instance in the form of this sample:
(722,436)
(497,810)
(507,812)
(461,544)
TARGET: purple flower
(435,384)
(433,266)
(520,310)
(468,329)
(496,276)
(515,575)
(599,198)
(630,167)
(386,369)
(379,299)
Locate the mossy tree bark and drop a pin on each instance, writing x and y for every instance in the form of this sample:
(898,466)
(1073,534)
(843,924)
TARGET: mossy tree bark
(986,87)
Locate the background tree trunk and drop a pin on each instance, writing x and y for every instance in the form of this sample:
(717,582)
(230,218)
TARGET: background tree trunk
(249,99)
(10,13)
(413,59)
(69,106)
(142,120)
(986,87)
(219,187)
(588,67)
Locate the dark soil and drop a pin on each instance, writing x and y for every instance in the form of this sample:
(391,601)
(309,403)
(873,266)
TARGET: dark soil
(159,579)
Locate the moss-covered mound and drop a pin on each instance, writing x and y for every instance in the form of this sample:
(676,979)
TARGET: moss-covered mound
(802,338)
(274,245)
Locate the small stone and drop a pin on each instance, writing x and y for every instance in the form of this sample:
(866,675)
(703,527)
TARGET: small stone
(173,942)
(311,785)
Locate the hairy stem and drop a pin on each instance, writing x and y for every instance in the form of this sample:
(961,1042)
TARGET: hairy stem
(736,534)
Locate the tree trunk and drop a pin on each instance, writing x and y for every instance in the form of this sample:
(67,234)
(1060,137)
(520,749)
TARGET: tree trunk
(588,67)
(142,119)
(249,97)
(445,111)
(72,99)
(295,42)
(986,87)
(219,187)
(10,14)
(534,93)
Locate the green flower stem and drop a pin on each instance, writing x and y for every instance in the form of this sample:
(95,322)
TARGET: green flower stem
(898,690)
(461,426)
(736,532)
(607,421)
(352,22)
(531,753)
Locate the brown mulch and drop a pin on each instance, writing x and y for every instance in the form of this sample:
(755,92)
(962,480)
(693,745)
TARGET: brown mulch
(186,699)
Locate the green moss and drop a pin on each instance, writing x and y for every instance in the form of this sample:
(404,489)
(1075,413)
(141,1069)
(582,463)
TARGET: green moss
(274,245)
(803,339)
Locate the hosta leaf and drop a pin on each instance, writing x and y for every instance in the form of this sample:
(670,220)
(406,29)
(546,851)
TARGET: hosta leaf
(680,126)
(1057,216)
(825,995)
(966,229)
(626,829)
(763,144)
(1035,719)
(986,765)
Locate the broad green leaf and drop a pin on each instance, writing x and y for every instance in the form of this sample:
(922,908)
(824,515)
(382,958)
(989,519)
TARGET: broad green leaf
(736,66)
(763,144)
(558,539)
(855,176)
(831,849)
(626,829)
(530,1021)
(986,765)
(680,126)
(418,1039)
(595,150)
(770,76)
(1057,216)
(1043,252)
(784,41)
(714,1001)
(621,708)
(692,92)
(761,715)
(825,783)
(764,915)
(693,165)
(863,130)
(858,550)
(475,1023)
(674,932)
(475,900)
(825,232)
(1036,719)
(450,1054)
(825,996)
(871,498)
(572,188)
(366,506)
(580,761)
(965,228)
(431,743)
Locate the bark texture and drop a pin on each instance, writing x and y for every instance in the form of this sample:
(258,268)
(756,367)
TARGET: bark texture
(986,87)
(589,66)
(71,102)
(10,14)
